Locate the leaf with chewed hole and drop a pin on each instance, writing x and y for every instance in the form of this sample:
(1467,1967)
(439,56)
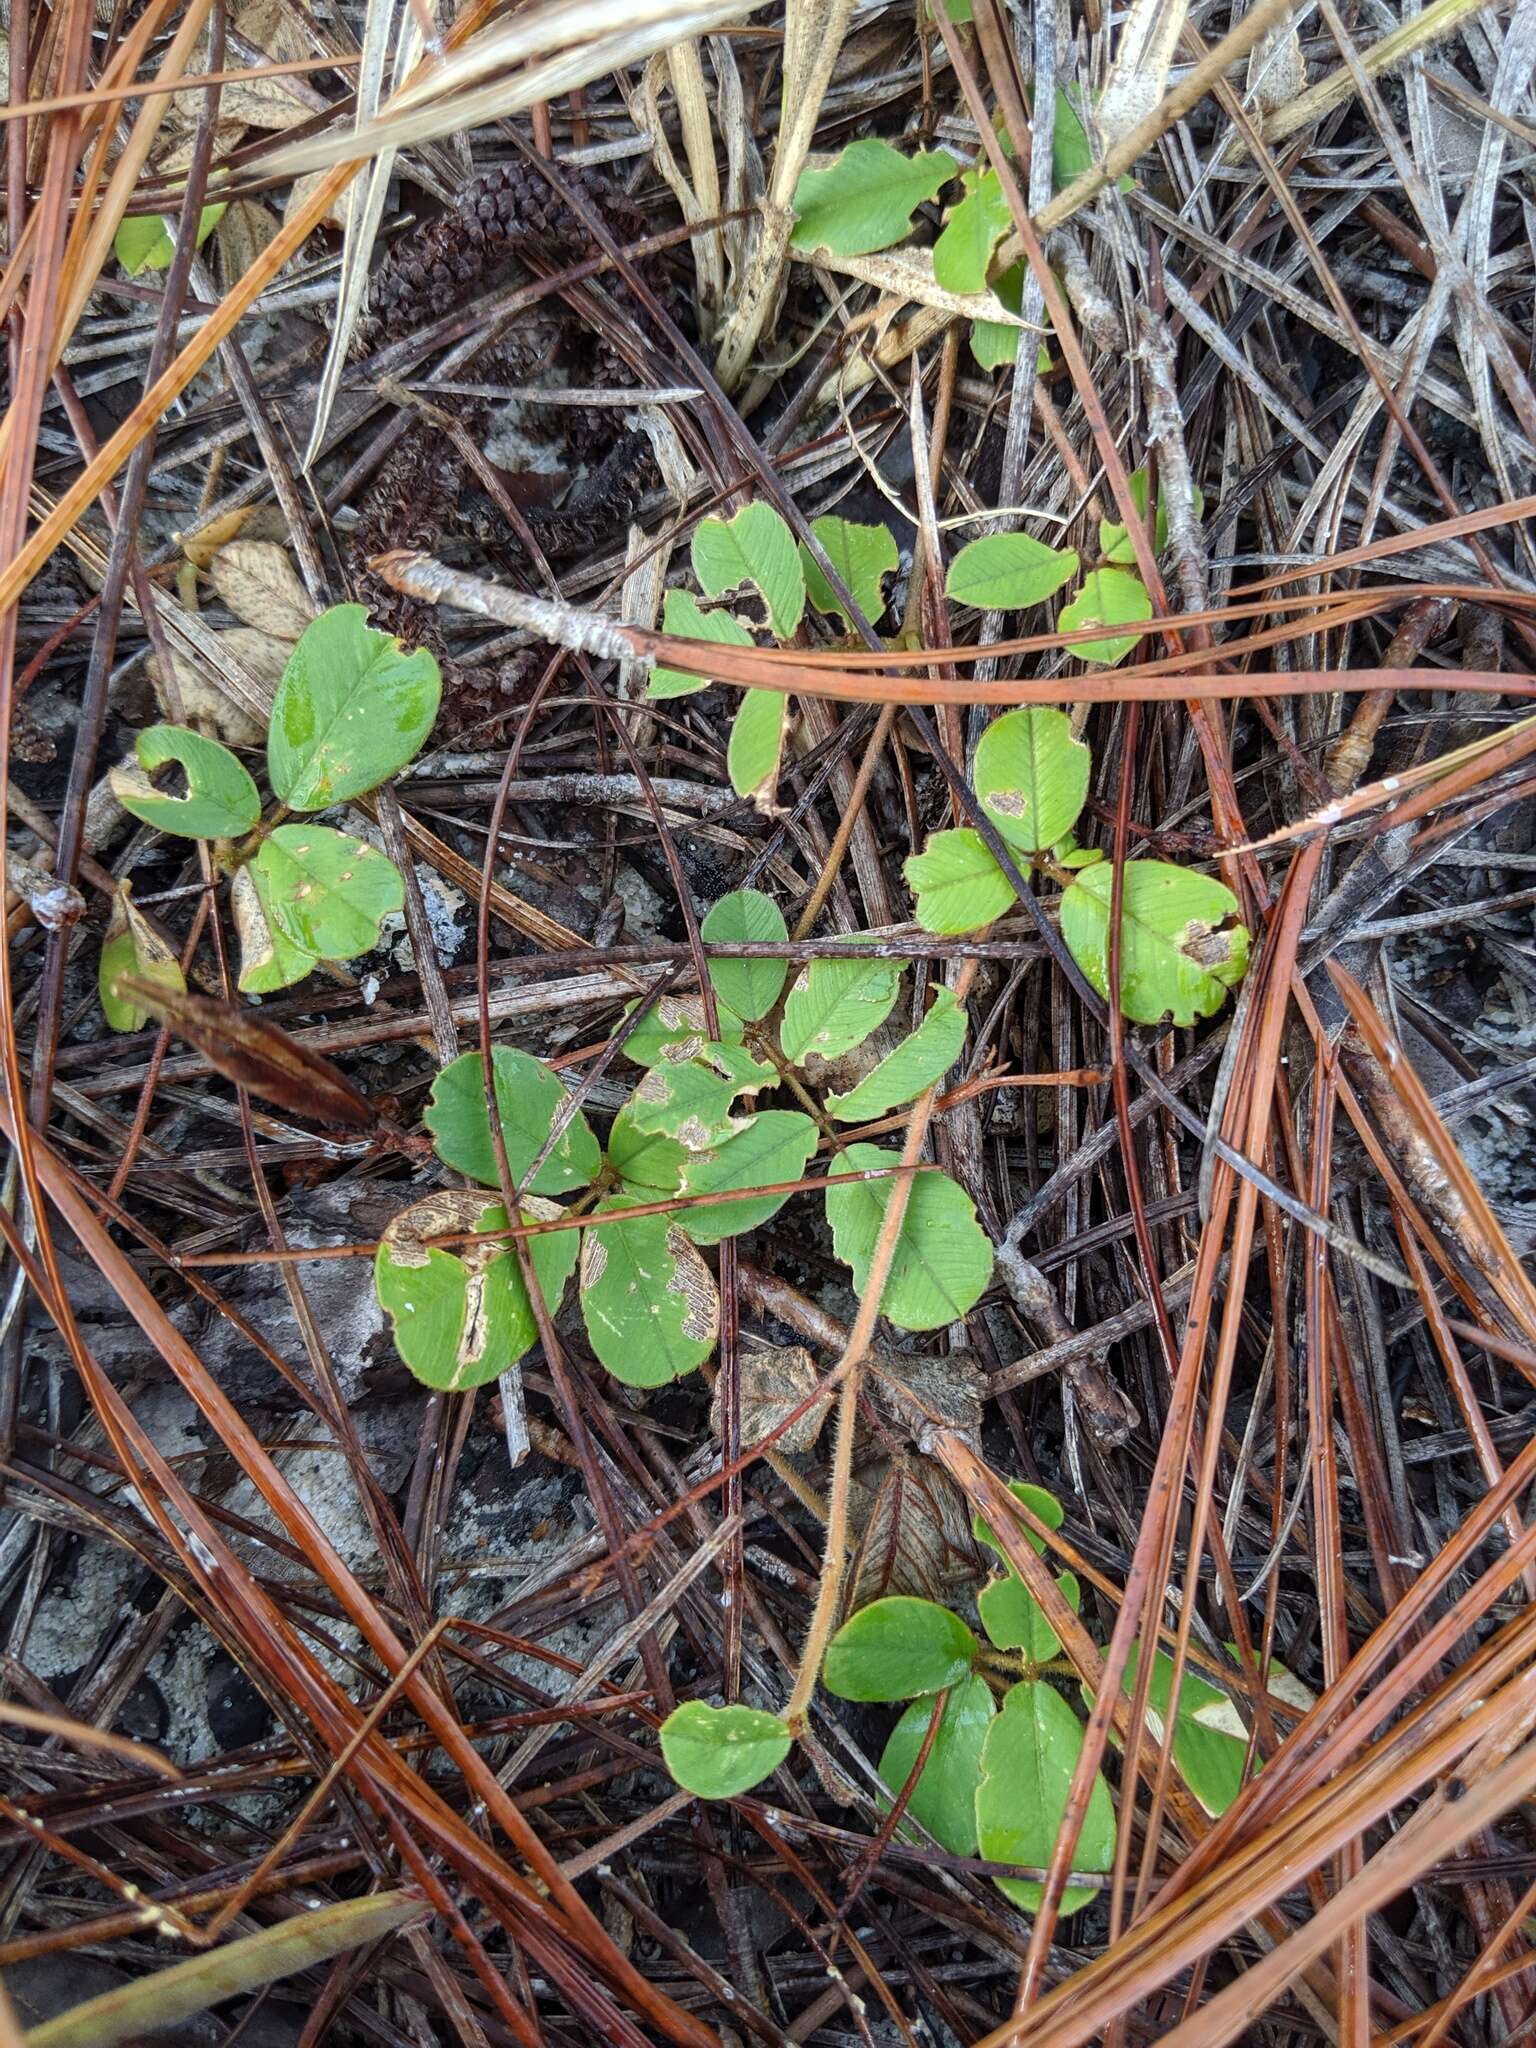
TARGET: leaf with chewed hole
(647,1298)
(1182,945)
(943,1257)
(835,1004)
(944,1797)
(754,547)
(528,1097)
(920,1060)
(691,1103)
(973,230)
(462,1316)
(353,707)
(863,557)
(133,946)
(719,1752)
(753,750)
(1109,597)
(325,892)
(864,200)
(747,917)
(682,616)
(1031,776)
(221,800)
(958,885)
(770,1148)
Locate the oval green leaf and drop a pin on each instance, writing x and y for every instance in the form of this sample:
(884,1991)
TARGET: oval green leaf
(1181,943)
(1014,1619)
(915,1064)
(1027,1762)
(147,241)
(974,229)
(1115,541)
(221,800)
(770,1148)
(943,1258)
(718,1752)
(865,200)
(944,1797)
(834,1005)
(461,1317)
(352,708)
(647,1298)
(1008,572)
(682,616)
(754,547)
(898,1649)
(322,892)
(1210,1740)
(529,1098)
(863,557)
(752,752)
(959,887)
(268,961)
(1109,597)
(1045,1507)
(747,918)
(1031,776)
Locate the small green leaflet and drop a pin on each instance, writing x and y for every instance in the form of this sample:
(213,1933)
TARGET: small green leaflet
(647,1298)
(958,885)
(352,708)
(943,1258)
(752,753)
(221,800)
(995,344)
(865,199)
(1014,1619)
(461,1317)
(268,960)
(915,1064)
(674,1029)
(769,1148)
(1027,1762)
(1210,1742)
(747,917)
(133,946)
(944,1797)
(322,892)
(1115,541)
(528,1097)
(1181,944)
(718,1752)
(1071,151)
(755,547)
(863,557)
(147,241)
(682,617)
(898,1649)
(974,229)
(1109,597)
(1008,572)
(833,1005)
(691,1103)
(1045,1508)
(649,1163)
(1031,776)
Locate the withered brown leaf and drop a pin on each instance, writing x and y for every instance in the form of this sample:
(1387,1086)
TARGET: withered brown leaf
(774,1381)
(248,1050)
(916,1535)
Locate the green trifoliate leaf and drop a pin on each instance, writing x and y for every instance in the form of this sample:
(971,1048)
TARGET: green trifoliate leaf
(1115,541)
(769,1149)
(352,708)
(958,885)
(322,892)
(1182,945)
(1014,1619)
(719,1752)
(1027,1763)
(944,1797)
(681,615)
(461,1316)
(1109,597)
(863,557)
(833,1005)
(752,752)
(974,229)
(1008,572)
(133,946)
(1031,776)
(747,917)
(148,241)
(865,200)
(915,1064)
(221,800)
(943,1258)
(898,1649)
(528,1097)
(647,1298)
(754,547)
